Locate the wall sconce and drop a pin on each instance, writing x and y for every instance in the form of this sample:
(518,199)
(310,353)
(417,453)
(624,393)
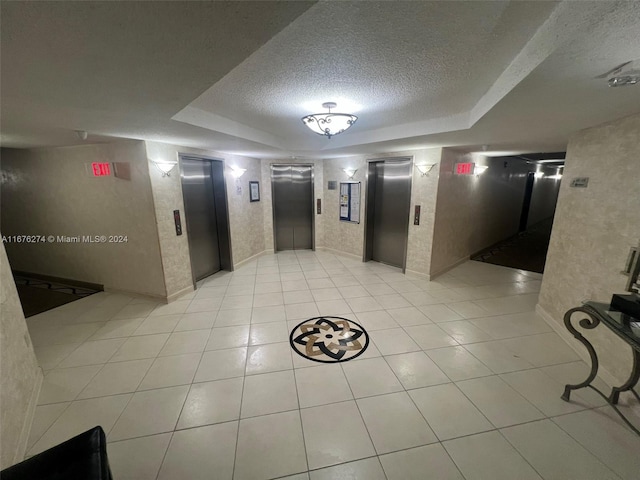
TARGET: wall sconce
(350,172)
(479,169)
(237,172)
(425,169)
(538,174)
(165,167)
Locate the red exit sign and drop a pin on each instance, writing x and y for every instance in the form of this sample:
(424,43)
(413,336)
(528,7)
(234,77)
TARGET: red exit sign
(464,168)
(101,169)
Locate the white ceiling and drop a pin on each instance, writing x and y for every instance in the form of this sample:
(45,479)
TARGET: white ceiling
(238,76)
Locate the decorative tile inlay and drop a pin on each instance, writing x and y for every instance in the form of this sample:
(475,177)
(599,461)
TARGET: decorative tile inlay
(329,339)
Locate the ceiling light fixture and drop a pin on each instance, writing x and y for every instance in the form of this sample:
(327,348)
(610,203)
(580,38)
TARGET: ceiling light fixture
(538,174)
(329,124)
(164,167)
(350,172)
(425,169)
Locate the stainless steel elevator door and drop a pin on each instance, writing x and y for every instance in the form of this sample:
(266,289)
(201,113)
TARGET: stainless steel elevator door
(200,217)
(292,207)
(391,211)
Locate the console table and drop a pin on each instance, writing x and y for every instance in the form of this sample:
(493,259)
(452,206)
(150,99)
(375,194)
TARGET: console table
(627,328)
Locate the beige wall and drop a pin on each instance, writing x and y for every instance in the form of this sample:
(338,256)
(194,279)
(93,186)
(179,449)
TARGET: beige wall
(20,376)
(51,192)
(593,230)
(348,237)
(245,217)
(475,211)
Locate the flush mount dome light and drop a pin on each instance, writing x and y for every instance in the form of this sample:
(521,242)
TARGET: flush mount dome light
(329,124)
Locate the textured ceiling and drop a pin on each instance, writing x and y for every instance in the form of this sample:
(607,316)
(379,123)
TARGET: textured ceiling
(237,76)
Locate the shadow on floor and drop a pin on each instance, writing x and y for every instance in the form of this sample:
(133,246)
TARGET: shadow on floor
(526,250)
(37,296)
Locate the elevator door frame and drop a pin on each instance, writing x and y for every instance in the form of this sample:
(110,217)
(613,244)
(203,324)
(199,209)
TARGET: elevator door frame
(367,247)
(313,196)
(222,213)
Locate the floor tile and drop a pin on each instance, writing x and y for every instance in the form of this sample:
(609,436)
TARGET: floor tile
(58,334)
(79,417)
(262,333)
(394,423)
(150,412)
(501,404)
(412,464)
(198,452)
(195,321)
(228,337)
(43,418)
(236,302)
(465,332)
(117,329)
(515,325)
(179,306)
(269,358)
(449,412)
(267,299)
(137,348)
(138,458)
(63,385)
(171,371)
(115,378)
(415,370)
(340,440)
(489,456)
(614,445)
(467,309)
(161,324)
(301,311)
(353,291)
(393,341)
(332,307)
(408,316)
(220,364)
(238,316)
(543,392)
(497,357)
(440,313)
(192,341)
(363,304)
(554,454)
(136,310)
(49,357)
(376,320)
(270,287)
(269,393)
(370,377)
(574,373)
(430,336)
(457,363)
(268,314)
(211,402)
(322,384)
(369,469)
(92,353)
(270,446)
(236,290)
(294,285)
(542,350)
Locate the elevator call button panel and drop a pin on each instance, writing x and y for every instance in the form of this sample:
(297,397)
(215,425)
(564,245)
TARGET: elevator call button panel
(416,216)
(176,219)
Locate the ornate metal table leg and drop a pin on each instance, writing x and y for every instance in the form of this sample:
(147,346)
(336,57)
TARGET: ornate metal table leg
(629,384)
(589,323)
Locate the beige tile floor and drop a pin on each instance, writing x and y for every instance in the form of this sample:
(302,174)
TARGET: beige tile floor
(461,380)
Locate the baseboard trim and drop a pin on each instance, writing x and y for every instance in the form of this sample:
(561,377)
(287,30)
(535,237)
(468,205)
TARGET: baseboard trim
(451,266)
(21,451)
(252,257)
(421,275)
(565,335)
(339,252)
(175,296)
(146,296)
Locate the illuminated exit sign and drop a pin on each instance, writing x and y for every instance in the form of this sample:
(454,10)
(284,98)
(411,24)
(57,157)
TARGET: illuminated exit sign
(464,168)
(101,169)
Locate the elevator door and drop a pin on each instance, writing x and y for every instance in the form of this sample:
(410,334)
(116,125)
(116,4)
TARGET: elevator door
(200,216)
(292,206)
(391,187)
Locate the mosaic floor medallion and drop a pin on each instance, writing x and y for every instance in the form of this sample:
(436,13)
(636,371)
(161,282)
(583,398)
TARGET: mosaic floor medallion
(329,339)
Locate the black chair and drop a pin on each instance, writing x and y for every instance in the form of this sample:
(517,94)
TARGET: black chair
(83,457)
